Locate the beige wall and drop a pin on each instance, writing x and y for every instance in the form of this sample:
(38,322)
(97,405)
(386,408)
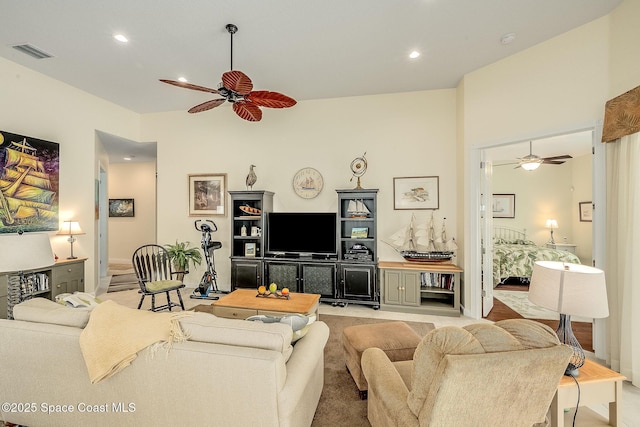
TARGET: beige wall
(624,59)
(41,107)
(549,192)
(132,181)
(409,134)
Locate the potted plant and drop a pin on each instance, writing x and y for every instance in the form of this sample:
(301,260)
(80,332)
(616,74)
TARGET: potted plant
(182,257)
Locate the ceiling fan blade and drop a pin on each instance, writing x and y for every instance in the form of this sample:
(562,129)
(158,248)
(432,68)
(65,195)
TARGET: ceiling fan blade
(564,156)
(265,98)
(237,81)
(207,105)
(552,162)
(248,111)
(189,86)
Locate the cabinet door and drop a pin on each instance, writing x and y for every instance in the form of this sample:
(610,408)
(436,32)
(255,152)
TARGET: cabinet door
(67,278)
(358,282)
(4,291)
(411,286)
(392,287)
(246,274)
(284,274)
(319,279)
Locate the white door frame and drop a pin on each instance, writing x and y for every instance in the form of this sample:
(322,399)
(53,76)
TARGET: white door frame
(477,219)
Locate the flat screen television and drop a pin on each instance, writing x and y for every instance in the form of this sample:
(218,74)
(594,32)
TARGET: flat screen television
(301,233)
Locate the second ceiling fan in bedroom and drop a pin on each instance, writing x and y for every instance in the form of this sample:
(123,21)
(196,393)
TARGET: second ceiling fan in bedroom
(532,162)
(237,88)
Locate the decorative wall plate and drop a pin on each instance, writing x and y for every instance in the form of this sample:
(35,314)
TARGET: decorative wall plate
(308,183)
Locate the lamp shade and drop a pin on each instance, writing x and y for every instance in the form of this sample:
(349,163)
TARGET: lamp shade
(70,228)
(552,223)
(572,289)
(27,251)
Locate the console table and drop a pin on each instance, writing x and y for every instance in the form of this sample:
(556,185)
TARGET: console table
(66,275)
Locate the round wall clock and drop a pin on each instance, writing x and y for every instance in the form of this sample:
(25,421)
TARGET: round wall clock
(307,183)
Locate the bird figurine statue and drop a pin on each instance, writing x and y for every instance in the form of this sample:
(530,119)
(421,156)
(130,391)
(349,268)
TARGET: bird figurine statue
(251,178)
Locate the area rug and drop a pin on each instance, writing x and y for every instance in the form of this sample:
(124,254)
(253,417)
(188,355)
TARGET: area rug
(123,278)
(340,403)
(518,301)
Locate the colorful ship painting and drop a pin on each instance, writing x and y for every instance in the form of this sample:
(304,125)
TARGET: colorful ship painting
(418,242)
(28,184)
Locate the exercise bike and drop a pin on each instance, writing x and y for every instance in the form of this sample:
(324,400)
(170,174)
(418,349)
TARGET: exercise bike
(208,283)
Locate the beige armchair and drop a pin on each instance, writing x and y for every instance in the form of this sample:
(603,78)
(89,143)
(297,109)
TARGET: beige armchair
(502,374)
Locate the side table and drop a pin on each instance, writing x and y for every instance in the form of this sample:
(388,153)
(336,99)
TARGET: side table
(598,384)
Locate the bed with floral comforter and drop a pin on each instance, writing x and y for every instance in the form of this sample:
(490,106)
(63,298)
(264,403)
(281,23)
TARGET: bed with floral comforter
(515,258)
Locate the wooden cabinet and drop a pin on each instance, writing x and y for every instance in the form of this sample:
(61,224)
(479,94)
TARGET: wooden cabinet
(64,276)
(568,247)
(421,288)
(246,273)
(248,210)
(307,276)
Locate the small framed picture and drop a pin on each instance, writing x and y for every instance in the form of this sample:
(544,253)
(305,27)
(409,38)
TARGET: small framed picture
(416,192)
(249,249)
(504,206)
(359,232)
(121,208)
(207,194)
(586,211)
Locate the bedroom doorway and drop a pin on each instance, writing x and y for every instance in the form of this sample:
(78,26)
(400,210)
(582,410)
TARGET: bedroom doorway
(527,199)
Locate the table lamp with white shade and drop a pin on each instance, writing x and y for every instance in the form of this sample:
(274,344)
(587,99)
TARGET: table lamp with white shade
(551,224)
(570,290)
(71,228)
(19,253)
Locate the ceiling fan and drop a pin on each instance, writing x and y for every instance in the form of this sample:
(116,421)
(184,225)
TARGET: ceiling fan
(237,88)
(532,162)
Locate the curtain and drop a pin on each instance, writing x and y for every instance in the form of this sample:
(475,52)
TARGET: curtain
(623,255)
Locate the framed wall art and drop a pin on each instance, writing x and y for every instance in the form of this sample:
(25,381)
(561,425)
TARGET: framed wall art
(122,208)
(586,211)
(207,194)
(30,170)
(416,192)
(504,206)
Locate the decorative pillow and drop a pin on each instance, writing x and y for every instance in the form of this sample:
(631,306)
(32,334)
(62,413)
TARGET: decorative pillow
(42,310)
(205,327)
(299,323)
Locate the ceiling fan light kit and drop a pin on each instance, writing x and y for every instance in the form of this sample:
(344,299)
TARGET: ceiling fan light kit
(237,88)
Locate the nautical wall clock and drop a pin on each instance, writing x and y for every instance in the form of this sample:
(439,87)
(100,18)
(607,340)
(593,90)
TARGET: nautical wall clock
(307,183)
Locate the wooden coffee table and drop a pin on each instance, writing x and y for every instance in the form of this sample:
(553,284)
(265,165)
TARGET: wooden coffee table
(243,303)
(598,384)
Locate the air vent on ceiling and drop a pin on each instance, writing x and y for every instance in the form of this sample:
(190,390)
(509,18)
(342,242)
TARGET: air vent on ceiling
(32,51)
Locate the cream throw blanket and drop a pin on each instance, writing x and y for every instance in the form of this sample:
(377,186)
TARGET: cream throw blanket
(115,334)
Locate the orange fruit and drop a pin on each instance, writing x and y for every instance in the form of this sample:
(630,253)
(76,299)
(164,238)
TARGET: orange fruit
(262,290)
(285,291)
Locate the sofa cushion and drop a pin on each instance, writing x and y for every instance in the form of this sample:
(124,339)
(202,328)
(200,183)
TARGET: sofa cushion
(204,327)
(42,310)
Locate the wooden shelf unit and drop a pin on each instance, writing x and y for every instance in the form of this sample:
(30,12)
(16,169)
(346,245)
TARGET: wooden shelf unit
(426,288)
(66,275)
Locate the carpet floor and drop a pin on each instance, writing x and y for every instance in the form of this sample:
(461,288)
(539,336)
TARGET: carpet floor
(340,403)
(123,278)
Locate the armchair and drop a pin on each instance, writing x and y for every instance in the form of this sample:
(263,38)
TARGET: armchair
(502,374)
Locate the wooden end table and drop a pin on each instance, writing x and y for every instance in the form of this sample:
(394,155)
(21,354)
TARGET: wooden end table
(243,303)
(598,384)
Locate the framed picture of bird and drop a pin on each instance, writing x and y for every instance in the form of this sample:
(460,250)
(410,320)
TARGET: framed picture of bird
(207,194)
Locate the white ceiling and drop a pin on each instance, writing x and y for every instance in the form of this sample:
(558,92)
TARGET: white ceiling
(304,49)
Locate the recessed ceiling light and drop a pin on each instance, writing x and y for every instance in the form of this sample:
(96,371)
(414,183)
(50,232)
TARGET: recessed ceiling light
(182,79)
(414,54)
(508,38)
(121,38)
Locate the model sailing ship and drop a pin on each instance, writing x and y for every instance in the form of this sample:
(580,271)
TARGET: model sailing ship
(357,209)
(418,242)
(25,188)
